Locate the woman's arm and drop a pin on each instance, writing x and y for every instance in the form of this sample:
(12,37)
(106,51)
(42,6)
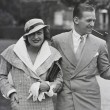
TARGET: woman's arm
(5,87)
(58,82)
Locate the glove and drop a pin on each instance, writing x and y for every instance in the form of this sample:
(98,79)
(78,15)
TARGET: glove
(51,93)
(41,96)
(34,91)
(45,87)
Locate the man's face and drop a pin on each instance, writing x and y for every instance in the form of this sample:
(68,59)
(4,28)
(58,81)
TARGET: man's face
(86,22)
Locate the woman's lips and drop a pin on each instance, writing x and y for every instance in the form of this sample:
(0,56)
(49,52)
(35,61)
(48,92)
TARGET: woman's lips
(36,41)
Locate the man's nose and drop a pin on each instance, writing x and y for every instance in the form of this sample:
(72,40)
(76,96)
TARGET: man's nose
(92,23)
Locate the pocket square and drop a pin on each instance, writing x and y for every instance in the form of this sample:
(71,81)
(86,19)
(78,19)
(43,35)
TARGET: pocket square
(96,54)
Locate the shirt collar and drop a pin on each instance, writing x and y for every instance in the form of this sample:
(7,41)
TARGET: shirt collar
(77,36)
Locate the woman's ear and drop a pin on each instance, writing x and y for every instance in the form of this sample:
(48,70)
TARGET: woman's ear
(76,20)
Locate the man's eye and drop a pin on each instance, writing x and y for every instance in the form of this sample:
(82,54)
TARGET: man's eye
(89,20)
(94,20)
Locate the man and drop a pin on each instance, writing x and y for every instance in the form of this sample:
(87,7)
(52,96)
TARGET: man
(80,67)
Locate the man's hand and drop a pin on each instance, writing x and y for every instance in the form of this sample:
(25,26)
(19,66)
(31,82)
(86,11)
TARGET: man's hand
(44,87)
(57,88)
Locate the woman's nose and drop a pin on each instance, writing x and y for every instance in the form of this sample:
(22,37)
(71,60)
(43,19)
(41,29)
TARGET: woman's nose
(35,35)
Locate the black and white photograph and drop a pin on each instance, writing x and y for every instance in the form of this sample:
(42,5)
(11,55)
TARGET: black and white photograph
(54,54)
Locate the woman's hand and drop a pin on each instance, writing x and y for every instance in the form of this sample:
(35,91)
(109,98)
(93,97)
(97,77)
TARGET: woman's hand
(14,101)
(34,91)
(44,87)
(14,97)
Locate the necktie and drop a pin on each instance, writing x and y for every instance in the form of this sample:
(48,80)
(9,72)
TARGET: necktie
(80,48)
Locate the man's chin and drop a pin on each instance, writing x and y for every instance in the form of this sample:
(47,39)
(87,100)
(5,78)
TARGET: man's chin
(89,32)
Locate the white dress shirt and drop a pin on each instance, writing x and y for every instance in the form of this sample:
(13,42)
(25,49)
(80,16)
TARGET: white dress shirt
(76,40)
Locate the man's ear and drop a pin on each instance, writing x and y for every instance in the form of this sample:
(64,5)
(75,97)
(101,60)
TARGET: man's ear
(76,20)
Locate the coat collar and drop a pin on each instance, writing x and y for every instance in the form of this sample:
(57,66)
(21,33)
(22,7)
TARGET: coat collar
(10,56)
(21,51)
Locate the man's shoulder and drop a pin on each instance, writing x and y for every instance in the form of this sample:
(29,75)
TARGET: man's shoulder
(61,35)
(97,39)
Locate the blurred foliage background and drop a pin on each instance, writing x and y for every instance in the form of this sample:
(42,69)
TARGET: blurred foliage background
(56,13)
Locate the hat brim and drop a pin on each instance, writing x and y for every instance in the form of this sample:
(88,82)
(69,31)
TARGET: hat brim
(35,29)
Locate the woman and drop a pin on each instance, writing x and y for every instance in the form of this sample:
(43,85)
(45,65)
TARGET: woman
(29,61)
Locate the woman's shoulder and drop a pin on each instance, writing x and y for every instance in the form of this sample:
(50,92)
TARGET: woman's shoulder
(54,51)
(8,50)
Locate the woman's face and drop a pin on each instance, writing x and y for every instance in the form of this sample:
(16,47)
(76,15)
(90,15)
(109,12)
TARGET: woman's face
(36,39)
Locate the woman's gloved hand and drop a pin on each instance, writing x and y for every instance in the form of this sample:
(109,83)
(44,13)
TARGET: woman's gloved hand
(44,86)
(34,91)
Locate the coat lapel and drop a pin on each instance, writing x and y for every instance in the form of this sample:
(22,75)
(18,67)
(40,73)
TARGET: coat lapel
(67,48)
(90,49)
(13,59)
(16,62)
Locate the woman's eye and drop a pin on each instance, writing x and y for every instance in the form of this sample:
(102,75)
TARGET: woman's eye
(39,33)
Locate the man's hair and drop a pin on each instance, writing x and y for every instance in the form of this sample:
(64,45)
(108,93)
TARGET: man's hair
(80,8)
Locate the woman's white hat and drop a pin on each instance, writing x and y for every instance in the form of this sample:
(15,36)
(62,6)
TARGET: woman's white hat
(33,25)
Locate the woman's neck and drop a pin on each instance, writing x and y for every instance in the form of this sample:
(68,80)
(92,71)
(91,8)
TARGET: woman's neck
(33,49)
(33,52)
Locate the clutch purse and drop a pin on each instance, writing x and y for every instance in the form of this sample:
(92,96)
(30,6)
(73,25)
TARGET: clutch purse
(53,72)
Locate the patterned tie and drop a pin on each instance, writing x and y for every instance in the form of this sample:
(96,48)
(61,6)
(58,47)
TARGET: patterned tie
(80,48)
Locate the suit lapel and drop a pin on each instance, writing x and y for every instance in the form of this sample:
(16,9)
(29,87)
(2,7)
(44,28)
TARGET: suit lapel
(67,47)
(90,49)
